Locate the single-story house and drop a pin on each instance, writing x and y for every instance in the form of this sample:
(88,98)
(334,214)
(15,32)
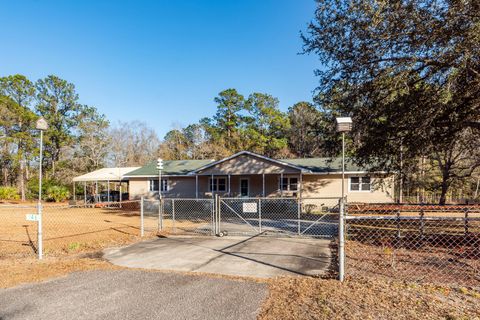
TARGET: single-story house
(246,174)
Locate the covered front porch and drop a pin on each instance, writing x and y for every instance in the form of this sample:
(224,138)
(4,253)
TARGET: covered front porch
(248,175)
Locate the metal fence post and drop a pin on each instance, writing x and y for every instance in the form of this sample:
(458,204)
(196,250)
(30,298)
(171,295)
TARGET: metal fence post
(218,214)
(160,215)
(299,211)
(466,221)
(260,215)
(40,230)
(422,223)
(173,216)
(341,241)
(398,224)
(141,217)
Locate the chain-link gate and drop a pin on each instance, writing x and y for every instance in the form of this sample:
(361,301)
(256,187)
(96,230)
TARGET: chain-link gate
(309,217)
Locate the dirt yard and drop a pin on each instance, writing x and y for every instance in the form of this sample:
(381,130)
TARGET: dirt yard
(69,230)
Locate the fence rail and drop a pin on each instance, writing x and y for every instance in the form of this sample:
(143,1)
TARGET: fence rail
(436,244)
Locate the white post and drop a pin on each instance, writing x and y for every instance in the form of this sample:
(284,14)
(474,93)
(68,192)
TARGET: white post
(96,191)
(108,190)
(299,187)
(196,186)
(343,165)
(120,194)
(74,195)
(229,185)
(263,184)
(341,241)
(281,184)
(141,217)
(160,207)
(85,193)
(39,204)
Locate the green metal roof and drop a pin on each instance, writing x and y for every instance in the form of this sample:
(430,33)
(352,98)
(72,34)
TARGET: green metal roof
(170,167)
(323,165)
(183,167)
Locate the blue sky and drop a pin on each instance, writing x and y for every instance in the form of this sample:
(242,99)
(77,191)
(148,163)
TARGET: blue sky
(161,62)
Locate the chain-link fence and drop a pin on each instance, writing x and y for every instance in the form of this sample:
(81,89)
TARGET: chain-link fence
(181,215)
(420,243)
(68,228)
(312,217)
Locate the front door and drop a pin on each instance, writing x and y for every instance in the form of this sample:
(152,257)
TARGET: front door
(244,185)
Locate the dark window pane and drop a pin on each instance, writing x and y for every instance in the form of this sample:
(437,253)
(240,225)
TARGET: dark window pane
(354,186)
(222,184)
(355,179)
(365,186)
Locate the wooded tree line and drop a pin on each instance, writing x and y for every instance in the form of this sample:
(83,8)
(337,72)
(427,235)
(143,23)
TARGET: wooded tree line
(80,139)
(407,72)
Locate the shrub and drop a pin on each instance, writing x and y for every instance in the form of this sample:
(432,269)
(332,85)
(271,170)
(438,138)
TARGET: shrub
(57,193)
(9,193)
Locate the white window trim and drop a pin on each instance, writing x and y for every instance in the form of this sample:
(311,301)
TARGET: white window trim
(359,176)
(240,186)
(217,178)
(288,183)
(163,179)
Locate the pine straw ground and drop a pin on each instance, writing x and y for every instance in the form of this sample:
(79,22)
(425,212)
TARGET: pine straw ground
(296,297)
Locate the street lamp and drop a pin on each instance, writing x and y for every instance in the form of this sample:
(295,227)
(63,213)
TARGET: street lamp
(344,124)
(160,211)
(41,125)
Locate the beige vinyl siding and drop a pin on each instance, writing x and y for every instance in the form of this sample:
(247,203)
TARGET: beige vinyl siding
(331,186)
(138,187)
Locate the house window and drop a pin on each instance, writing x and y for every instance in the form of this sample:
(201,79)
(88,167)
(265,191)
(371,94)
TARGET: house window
(217,184)
(154,185)
(360,184)
(289,184)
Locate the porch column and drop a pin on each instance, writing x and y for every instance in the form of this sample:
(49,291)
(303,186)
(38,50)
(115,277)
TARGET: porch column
(108,190)
(281,184)
(263,185)
(85,192)
(196,186)
(229,185)
(211,185)
(300,186)
(96,191)
(74,195)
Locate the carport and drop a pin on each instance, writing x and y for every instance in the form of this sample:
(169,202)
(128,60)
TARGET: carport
(106,178)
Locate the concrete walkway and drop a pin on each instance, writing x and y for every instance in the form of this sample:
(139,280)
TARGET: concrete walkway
(133,294)
(241,256)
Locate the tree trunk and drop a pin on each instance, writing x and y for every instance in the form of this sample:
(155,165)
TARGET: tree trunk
(445,185)
(21,177)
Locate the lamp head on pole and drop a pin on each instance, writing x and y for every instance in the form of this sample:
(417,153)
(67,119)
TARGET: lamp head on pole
(41,124)
(344,124)
(159,164)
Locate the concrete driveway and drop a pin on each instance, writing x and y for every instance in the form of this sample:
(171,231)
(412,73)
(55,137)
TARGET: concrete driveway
(241,256)
(133,294)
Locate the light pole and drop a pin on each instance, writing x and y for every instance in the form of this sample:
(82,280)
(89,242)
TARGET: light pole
(160,211)
(41,125)
(344,124)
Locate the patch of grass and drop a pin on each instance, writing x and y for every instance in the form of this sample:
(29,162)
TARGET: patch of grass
(74,246)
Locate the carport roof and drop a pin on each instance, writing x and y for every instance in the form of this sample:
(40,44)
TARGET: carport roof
(105,174)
